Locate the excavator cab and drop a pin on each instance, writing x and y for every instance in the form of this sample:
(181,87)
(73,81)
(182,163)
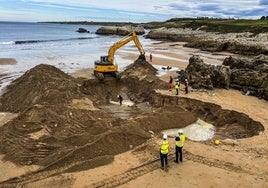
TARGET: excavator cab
(106,66)
(103,60)
(103,68)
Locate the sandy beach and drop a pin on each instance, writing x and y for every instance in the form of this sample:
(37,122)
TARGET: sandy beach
(232,163)
(8,61)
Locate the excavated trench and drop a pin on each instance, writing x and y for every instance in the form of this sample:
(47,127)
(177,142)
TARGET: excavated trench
(163,112)
(228,123)
(66,124)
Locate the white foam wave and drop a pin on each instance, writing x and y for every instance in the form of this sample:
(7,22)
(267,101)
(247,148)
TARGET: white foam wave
(7,43)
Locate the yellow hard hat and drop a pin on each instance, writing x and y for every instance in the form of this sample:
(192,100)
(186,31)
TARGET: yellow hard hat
(217,142)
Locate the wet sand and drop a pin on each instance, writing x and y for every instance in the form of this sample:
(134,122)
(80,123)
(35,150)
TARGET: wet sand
(8,61)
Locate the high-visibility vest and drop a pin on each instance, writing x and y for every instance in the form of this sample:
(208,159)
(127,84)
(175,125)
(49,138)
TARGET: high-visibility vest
(177,86)
(180,143)
(164,147)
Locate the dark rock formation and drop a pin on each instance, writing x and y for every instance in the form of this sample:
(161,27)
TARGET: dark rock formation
(206,76)
(124,30)
(247,75)
(250,75)
(82,30)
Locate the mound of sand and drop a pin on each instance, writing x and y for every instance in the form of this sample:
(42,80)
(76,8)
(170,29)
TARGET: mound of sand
(42,85)
(58,126)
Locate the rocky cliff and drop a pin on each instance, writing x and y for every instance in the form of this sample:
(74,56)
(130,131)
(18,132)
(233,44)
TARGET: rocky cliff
(241,43)
(120,30)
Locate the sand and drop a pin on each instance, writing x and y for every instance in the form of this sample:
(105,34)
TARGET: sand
(8,61)
(233,163)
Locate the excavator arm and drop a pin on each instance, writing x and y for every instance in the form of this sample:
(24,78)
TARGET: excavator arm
(122,42)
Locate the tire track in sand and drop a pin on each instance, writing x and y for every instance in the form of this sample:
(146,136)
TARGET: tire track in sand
(154,164)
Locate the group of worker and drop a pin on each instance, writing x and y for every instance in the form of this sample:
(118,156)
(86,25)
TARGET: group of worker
(177,85)
(164,149)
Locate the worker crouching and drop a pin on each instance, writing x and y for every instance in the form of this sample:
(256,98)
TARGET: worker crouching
(164,152)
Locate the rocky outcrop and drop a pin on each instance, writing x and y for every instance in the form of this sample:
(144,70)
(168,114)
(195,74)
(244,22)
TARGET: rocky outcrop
(247,75)
(241,43)
(174,34)
(82,30)
(122,30)
(202,75)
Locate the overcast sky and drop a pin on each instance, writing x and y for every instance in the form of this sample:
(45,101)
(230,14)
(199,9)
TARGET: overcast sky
(128,10)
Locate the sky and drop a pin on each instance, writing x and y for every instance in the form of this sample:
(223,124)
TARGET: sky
(137,11)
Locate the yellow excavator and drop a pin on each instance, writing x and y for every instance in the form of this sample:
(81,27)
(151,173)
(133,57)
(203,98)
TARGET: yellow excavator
(106,66)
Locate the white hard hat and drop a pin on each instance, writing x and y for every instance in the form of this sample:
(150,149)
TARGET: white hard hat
(164,136)
(180,131)
(185,79)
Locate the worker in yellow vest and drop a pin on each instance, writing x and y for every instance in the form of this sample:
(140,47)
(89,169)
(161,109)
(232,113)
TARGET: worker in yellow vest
(180,139)
(164,152)
(177,87)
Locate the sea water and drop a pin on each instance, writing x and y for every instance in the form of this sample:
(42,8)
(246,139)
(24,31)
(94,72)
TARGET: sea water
(55,44)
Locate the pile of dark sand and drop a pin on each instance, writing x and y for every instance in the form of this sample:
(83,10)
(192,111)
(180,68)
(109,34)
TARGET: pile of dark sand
(43,85)
(53,131)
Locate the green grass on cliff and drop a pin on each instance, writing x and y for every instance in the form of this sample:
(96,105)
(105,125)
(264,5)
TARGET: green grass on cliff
(214,25)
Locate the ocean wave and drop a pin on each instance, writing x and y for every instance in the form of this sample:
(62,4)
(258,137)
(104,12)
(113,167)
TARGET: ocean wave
(50,40)
(6,43)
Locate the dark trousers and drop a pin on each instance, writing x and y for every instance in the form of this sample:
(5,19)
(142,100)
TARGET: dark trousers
(177,91)
(178,151)
(163,159)
(186,90)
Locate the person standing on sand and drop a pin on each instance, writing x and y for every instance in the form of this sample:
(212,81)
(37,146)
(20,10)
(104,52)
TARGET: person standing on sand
(151,57)
(179,142)
(186,84)
(170,82)
(120,98)
(164,153)
(177,87)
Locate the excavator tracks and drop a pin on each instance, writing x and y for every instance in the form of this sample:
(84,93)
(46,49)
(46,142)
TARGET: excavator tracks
(153,163)
(99,75)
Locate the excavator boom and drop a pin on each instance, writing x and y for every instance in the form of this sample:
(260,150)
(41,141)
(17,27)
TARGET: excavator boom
(122,42)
